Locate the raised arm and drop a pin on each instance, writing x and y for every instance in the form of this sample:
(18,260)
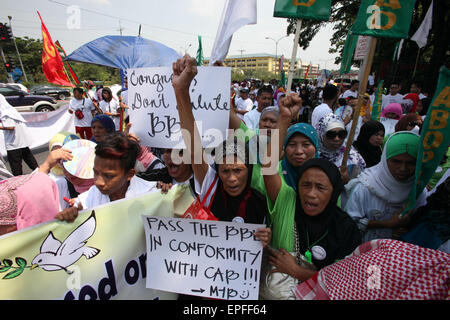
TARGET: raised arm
(184,71)
(289,107)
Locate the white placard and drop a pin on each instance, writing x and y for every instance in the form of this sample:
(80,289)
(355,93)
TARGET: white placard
(153,106)
(213,259)
(362,47)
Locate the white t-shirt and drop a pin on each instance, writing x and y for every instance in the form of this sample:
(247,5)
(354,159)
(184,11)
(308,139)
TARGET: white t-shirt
(93,197)
(111,107)
(242,104)
(251,119)
(388,99)
(17,138)
(86,106)
(320,112)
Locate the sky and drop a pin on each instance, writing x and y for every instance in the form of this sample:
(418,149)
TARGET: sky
(175,23)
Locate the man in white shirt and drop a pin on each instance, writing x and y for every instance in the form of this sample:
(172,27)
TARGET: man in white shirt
(353,91)
(17,138)
(330,95)
(393,97)
(84,110)
(243,104)
(264,99)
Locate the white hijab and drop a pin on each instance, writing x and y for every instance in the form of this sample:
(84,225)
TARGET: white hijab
(379,180)
(8,111)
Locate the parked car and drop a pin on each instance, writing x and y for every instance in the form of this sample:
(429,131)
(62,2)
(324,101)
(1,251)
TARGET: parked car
(18,86)
(25,102)
(52,91)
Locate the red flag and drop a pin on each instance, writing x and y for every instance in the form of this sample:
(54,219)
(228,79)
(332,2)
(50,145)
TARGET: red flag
(52,64)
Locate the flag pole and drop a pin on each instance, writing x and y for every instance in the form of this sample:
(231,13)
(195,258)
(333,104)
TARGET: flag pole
(294,56)
(362,91)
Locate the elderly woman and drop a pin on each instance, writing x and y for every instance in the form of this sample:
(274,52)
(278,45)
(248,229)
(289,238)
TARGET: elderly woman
(332,134)
(376,198)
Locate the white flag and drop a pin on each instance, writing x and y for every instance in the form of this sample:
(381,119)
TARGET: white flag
(421,35)
(236,13)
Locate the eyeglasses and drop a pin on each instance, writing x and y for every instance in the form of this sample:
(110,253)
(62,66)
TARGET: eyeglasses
(333,134)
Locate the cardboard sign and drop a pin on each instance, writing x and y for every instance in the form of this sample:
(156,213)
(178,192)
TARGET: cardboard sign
(153,106)
(362,47)
(214,259)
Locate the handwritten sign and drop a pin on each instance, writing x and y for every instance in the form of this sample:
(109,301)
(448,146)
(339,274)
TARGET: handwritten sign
(212,259)
(362,47)
(153,106)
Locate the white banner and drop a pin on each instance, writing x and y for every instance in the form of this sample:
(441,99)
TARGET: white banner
(214,259)
(42,126)
(153,106)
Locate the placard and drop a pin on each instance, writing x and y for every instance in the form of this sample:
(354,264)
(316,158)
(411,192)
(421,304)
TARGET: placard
(214,259)
(362,47)
(153,106)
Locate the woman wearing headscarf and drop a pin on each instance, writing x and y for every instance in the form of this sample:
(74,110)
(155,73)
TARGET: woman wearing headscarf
(332,134)
(308,220)
(409,122)
(369,142)
(231,197)
(390,116)
(376,198)
(101,126)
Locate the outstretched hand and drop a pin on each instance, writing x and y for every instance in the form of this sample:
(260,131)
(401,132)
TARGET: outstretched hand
(54,157)
(184,71)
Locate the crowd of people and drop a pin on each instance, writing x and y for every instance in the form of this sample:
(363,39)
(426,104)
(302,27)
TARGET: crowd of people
(319,210)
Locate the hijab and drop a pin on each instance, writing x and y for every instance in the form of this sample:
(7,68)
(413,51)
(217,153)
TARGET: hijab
(370,153)
(289,171)
(250,205)
(394,108)
(106,122)
(333,230)
(326,124)
(379,180)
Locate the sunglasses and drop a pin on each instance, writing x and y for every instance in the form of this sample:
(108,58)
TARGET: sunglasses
(333,134)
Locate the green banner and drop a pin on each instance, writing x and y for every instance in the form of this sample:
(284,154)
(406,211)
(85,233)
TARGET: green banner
(303,9)
(435,137)
(200,52)
(347,54)
(384,18)
(102,255)
(376,107)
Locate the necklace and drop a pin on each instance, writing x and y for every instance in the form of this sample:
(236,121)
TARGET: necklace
(308,254)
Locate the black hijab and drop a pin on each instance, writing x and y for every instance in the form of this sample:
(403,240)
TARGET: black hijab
(333,233)
(371,154)
(251,205)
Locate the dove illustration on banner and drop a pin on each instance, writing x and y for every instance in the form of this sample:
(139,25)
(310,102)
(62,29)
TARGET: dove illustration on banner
(56,255)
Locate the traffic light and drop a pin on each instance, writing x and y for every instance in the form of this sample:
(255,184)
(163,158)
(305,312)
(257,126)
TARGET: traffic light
(8,67)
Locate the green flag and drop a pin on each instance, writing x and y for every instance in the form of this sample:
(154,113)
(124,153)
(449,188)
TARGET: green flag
(376,108)
(384,18)
(303,9)
(199,52)
(347,54)
(434,137)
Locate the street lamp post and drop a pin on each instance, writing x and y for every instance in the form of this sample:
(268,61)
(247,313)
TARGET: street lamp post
(276,52)
(17,50)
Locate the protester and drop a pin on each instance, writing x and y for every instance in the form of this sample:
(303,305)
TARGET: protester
(231,197)
(332,134)
(390,116)
(325,233)
(369,142)
(84,111)
(264,100)
(330,95)
(17,138)
(409,122)
(376,198)
(243,104)
(393,97)
(110,106)
(352,91)
(101,126)
(114,176)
